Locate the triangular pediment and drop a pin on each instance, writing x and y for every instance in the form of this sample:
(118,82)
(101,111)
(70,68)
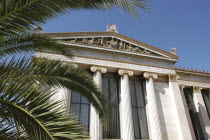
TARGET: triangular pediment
(112,41)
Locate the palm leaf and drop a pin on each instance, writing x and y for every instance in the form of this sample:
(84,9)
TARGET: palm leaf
(17,16)
(27,43)
(55,74)
(26,109)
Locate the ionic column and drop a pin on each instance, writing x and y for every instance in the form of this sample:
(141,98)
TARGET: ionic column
(184,125)
(200,108)
(126,119)
(95,124)
(154,119)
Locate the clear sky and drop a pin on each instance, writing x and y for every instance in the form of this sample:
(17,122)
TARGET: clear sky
(180,24)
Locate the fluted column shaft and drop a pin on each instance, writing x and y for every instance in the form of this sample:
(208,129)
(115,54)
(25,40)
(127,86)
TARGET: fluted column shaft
(154,119)
(95,123)
(127,130)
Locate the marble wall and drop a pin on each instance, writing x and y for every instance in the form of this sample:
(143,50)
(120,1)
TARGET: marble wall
(166,112)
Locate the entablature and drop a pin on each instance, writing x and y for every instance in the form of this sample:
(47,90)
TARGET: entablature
(110,65)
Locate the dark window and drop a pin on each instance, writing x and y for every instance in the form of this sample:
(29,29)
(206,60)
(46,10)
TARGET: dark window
(80,106)
(111,90)
(206,98)
(138,109)
(188,92)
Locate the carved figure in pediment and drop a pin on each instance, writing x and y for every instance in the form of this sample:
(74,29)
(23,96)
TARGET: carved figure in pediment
(91,41)
(106,43)
(96,41)
(84,40)
(129,47)
(101,41)
(110,43)
(74,40)
(136,49)
(113,43)
(121,45)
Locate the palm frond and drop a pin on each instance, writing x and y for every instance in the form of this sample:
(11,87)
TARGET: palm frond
(27,43)
(26,109)
(17,16)
(55,74)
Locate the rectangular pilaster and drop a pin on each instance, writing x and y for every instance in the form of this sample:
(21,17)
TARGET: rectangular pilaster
(184,125)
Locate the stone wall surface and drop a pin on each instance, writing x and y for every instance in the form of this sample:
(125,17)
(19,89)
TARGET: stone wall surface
(166,112)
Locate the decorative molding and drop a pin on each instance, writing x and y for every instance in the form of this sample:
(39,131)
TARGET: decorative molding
(147,75)
(95,68)
(192,72)
(107,63)
(122,72)
(197,89)
(173,78)
(193,83)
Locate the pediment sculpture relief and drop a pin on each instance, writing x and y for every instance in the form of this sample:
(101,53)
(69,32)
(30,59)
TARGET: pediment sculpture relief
(110,42)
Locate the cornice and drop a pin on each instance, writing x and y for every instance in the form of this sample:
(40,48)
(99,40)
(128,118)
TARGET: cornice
(106,33)
(183,71)
(192,83)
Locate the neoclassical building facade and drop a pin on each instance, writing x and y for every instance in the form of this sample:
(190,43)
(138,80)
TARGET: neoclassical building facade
(150,98)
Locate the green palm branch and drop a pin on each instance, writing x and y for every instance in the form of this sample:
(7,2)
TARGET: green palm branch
(54,73)
(19,16)
(26,111)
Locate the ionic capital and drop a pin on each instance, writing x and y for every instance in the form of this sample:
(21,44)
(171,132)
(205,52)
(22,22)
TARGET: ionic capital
(181,87)
(173,78)
(122,72)
(197,89)
(95,68)
(147,75)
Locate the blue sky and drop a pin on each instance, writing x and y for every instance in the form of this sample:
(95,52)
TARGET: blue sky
(183,24)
